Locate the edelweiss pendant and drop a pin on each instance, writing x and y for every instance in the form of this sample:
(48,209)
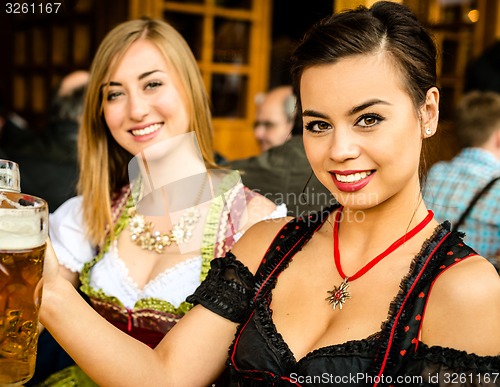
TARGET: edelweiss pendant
(339,295)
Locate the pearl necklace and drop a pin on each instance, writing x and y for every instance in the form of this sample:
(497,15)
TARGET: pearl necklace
(143,234)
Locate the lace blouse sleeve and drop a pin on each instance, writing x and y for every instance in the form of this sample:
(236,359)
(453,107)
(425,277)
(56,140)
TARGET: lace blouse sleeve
(228,289)
(68,235)
(438,366)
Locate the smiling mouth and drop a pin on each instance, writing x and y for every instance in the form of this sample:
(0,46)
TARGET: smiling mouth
(147,130)
(352,178)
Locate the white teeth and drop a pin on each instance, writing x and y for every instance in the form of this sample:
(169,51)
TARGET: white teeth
(353,177)
(146,130)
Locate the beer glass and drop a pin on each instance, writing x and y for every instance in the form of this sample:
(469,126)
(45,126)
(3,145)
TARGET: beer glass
(23,234)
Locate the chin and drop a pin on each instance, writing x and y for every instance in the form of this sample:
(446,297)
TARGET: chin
(358,200)
(160,148)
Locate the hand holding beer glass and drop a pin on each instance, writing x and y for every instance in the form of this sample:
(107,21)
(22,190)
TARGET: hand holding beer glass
(23,234)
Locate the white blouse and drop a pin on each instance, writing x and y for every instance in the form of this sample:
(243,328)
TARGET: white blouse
(111,274)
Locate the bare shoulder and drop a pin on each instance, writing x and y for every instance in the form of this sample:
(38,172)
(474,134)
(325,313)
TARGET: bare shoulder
(463,311)
(252,246)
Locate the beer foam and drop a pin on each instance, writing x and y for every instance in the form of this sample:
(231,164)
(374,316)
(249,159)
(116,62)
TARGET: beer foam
(22,228)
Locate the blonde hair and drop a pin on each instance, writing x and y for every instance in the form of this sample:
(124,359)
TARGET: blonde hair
(104,163)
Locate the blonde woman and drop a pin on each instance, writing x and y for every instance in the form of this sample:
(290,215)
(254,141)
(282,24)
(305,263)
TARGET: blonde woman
(146,97)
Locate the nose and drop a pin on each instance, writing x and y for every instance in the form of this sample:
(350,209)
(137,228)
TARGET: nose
(259,131)
(344,146)
(138,106)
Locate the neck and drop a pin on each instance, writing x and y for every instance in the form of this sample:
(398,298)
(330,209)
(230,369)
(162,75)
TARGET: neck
(492,145)
(401,209)
(365,233)
(170,160)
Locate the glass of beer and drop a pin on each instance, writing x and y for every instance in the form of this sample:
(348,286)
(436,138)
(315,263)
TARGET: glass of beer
(23,234)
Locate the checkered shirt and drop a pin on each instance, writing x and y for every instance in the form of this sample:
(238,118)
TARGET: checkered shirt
(452,185)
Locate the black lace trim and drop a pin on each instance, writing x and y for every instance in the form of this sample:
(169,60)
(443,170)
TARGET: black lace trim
(432,266)
(424,268)
(227,290)
(287,243)
(264,322)
(416,268)
(364,347)
(263,379)
(457,360)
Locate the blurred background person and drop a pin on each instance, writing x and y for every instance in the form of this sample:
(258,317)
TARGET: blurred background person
(15,135)
(65,116)
(453,186)
(275,117)
(483,73)
(282,172)
(49,168)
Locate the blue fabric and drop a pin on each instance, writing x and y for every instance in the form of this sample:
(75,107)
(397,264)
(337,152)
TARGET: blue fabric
(451,186)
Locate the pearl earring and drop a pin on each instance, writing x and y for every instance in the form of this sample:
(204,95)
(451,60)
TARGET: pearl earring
(428,131)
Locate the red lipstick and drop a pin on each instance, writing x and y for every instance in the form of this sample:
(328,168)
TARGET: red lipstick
(351,186)
(146,136)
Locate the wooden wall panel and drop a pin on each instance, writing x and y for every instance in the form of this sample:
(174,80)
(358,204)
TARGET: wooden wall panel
(41,48)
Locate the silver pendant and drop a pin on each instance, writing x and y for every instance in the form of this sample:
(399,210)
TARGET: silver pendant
(339,295)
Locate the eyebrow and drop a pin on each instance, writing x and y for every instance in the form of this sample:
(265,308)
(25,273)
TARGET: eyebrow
(313,113)
(354,110)
(142,76)
(366,105)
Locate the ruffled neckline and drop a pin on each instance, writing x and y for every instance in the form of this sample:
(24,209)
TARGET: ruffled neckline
(363,347)
(456,359)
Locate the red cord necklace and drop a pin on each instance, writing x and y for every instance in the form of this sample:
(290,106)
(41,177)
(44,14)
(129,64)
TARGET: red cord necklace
(339,295)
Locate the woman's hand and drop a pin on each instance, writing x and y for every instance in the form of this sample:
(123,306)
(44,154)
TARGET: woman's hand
(53,271)
(50,265)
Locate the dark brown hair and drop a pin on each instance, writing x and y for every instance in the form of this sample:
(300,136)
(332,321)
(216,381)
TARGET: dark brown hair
(386,26)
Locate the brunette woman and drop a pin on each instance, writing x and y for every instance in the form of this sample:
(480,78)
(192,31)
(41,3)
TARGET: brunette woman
(374,291)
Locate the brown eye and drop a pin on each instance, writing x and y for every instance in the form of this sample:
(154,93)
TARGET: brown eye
(317,126)
(369,120)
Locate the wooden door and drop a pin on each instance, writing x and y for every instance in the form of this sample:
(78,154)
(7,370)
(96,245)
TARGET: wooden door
(42,44)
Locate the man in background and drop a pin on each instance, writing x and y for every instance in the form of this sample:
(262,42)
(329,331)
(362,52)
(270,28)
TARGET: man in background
(452,185)
(275,117)
(282,173)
